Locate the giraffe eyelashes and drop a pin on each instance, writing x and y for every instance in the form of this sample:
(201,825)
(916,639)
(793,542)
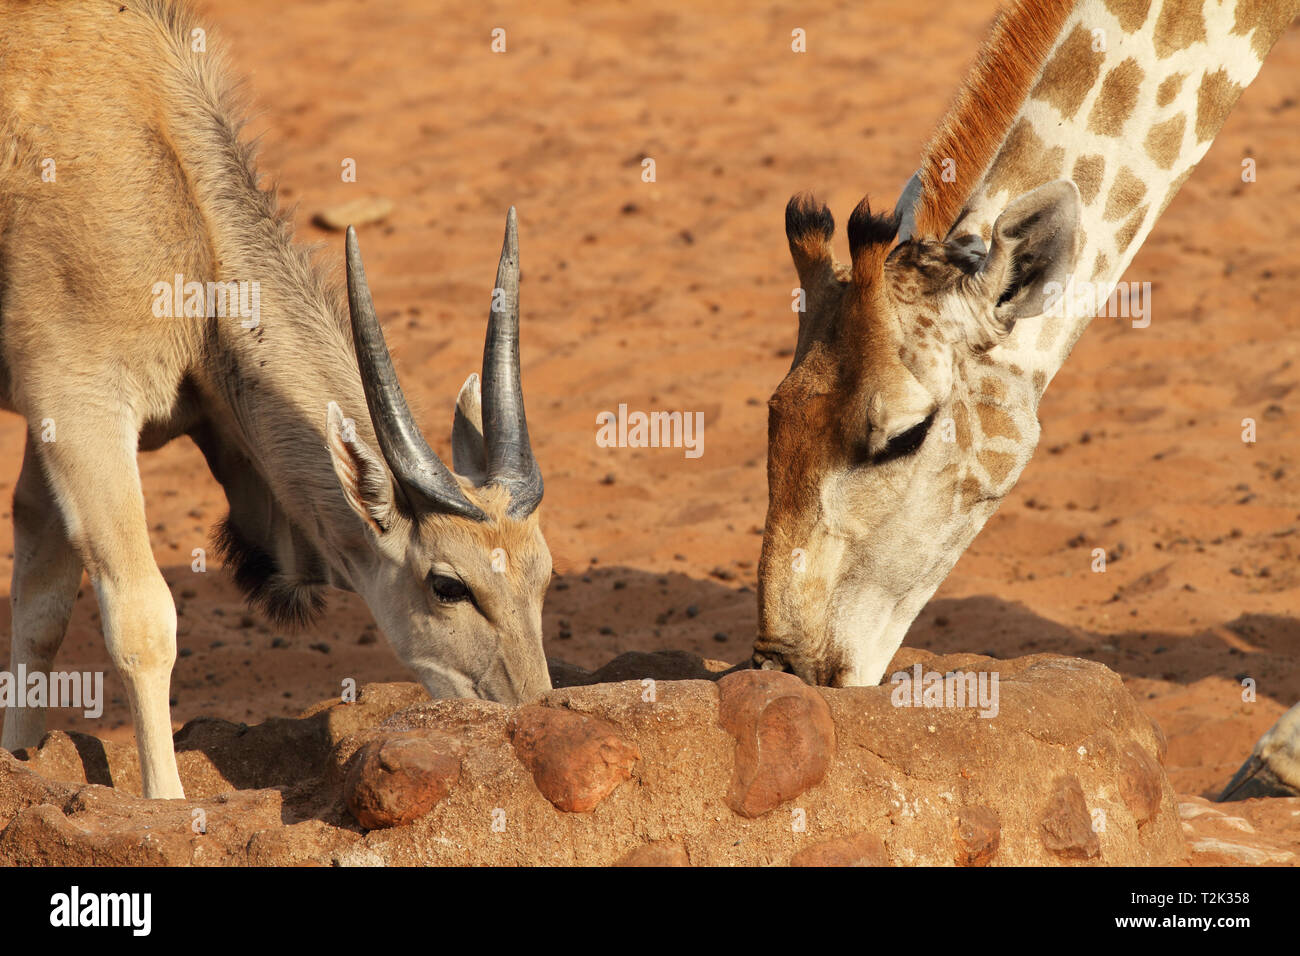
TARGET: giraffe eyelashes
(903,444)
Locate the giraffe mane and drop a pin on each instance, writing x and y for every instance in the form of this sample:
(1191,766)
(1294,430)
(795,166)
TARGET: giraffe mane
(984,107)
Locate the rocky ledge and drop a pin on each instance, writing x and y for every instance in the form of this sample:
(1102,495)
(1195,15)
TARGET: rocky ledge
(657,759)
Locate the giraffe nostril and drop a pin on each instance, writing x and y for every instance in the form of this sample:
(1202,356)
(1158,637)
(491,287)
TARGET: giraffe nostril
(767,661)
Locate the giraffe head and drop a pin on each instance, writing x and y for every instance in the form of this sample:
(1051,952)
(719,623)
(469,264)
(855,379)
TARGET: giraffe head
(898,428)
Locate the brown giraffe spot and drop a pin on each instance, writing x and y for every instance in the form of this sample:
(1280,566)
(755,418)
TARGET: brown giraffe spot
(1040,382)
(1169,88)
(1124,236)
(1101,265)
(1165,141)
(1088,171)
(991,387)
(1070,73)
(1126,193)
(947,479)
(1176,185)
(971,491)
(961,423)
(948,486)
(1024,163)
(1214,100)
(1267,18)
(998,465)
(1130,15)
(1115,102)
(1015,370)
(996,423)
(1179,25)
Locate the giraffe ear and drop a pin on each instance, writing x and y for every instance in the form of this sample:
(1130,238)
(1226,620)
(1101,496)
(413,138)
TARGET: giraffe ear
(1031,257)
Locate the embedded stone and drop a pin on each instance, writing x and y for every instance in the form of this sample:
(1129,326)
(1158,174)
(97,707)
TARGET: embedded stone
(1139,783)
(861,849)
(1066,827)
(978,832)
(397,779)
(576,761)
(784,734)
(661,853)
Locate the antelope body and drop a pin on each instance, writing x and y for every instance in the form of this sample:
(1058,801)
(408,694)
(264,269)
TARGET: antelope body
(120,168)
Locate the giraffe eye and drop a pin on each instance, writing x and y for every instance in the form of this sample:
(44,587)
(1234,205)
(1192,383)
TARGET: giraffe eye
(905,443)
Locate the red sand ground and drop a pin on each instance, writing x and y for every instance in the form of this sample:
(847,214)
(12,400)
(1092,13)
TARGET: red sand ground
(676,294)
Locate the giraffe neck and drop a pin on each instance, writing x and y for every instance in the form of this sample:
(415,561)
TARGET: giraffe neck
(1124,99)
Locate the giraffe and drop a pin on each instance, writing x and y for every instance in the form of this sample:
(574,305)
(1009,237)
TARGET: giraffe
(910,407)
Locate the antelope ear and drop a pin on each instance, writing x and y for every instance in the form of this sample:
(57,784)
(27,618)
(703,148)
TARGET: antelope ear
(1035,243)
(362,475)
(468,451)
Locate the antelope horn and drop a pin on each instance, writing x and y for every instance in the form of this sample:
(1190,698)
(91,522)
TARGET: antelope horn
(421,476)
(510,460)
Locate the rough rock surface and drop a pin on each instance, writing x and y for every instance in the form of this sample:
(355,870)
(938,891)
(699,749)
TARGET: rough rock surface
(399,777)
(785,738)
(755,768)
(1247,832)
(576,761)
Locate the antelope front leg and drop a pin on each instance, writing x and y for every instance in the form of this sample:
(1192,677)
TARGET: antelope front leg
(46,574)
(140,630)
(93,472)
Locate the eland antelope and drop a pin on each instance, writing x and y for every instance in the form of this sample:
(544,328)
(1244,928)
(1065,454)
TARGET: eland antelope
(911,404)
(121,167)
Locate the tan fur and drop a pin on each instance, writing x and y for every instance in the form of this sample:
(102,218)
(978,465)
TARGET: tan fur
(1126,192)
(1164,142)
(1126,233)
(1025,162)
(1169,88)
(1130,15)
(1215,99)
(1118,96)
(1180,24)
(1263,21)
(1087,175)
(152,180)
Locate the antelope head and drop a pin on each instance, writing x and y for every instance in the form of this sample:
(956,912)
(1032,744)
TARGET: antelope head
(900,426)
(454,565)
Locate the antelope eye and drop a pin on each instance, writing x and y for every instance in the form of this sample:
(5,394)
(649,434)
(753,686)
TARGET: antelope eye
(449,590)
